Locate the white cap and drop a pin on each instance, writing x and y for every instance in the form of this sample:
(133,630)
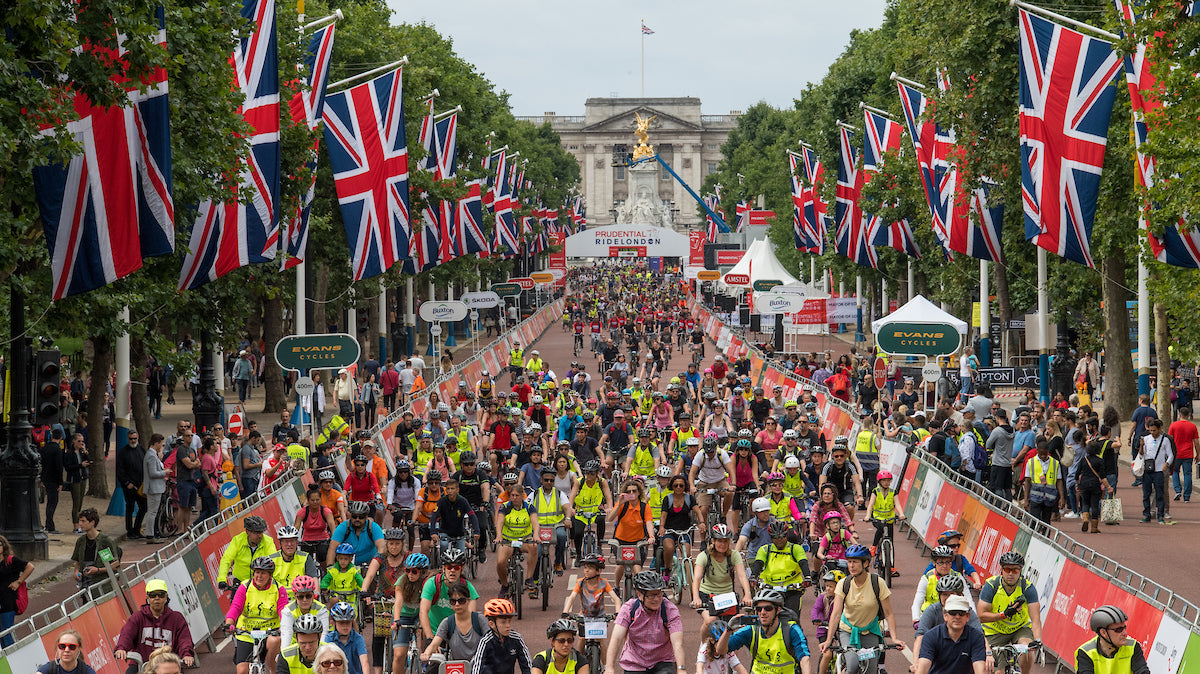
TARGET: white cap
(760,504)
(957,603)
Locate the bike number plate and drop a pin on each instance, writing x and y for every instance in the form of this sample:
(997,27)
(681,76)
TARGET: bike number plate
(628,553)
(865,654)
(258,634)
(456,667)
(595,629)
(517,545)
(545,534)
(724,601)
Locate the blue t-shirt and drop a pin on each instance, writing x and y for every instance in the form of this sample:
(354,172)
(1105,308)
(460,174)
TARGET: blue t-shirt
(80,668)
(1139,417)
(744,638)
(364,543)
(949,656)
(1023,439)
(355,646)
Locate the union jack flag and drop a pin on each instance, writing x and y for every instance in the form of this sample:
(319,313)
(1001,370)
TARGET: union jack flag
(816,220)
(646,29)
(307,107)
(578,215)
(496,159)
(1179,245)
(436,243)
(883,136)
(110,206)
(446,137)
(469,237)
(851,236)
(428,141)
(923,133)
(364,130)
(979,238)
(506,235)
(230,234)
(798,194)
(1067,95)
(742,213)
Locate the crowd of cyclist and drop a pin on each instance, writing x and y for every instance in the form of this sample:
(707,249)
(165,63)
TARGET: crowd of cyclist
(679,464)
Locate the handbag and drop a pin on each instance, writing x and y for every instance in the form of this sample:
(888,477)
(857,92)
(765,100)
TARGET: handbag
(22,593)
(1137,466)
(1111,511)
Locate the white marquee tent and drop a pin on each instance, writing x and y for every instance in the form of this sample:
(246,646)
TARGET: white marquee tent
(920,310)
(759,264)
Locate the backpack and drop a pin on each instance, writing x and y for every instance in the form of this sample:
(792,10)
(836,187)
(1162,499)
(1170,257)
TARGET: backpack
(662,612)
(980,456)
(950,449)
(874,587)
(786,626)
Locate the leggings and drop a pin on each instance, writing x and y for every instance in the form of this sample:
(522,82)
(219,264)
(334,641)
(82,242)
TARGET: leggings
(577,529)
(1089,501)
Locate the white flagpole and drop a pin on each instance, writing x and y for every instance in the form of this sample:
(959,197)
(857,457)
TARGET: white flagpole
(643,32)
(1143,322)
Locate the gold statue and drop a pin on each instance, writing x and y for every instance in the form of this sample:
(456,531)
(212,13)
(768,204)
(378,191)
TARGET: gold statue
(643,149)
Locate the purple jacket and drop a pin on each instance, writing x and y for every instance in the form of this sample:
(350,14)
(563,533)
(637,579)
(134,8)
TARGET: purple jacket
(144,633)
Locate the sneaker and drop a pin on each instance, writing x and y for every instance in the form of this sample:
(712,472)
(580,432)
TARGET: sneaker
(558,569)
(1145,520)
(482,556)
(1168,516)
(1178,497)
(503,592)
(1071,516)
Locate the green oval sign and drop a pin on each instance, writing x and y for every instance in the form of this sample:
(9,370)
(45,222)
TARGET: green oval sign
(763,285)
(303,352)
(918,339)
(506,289)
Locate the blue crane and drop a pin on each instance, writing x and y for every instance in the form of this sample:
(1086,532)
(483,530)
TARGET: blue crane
(716,218)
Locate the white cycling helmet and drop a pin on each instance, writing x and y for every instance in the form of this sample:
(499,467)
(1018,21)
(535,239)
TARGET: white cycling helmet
(791,462)
(693,442)
(664,471)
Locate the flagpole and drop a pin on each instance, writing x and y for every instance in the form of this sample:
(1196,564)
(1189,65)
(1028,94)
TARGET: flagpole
(883,113)
(1143,321)
(985,317)
(374,71)
(643,31)
(858,333)
(1043,318)
(904,80)
(451,111)
(1059,17)
(337,14)
(911,280)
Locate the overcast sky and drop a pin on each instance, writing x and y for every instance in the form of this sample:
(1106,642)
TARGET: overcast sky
(552,56)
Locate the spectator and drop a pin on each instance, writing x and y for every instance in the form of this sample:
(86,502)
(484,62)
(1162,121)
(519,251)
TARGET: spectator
(1158,453)
(52,475)
(1000,446)
(89,566)
(210,469)
(69,658)
(1186,439)
(187,479)
(345,393)
(154,476)
(75,462)
(389,383)
(1087,372)
(129,474)
(280,432)
(242,371)
(156,625)
(13,572)
(251,461)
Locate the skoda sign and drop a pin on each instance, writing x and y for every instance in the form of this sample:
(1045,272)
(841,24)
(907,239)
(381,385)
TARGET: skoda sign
(443,310)
(481,300)
(304,352)
(918,339)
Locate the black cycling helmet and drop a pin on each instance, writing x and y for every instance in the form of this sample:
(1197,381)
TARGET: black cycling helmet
(559,626)
(255,524)
(596,560)
(592,466)
(394,534)
(778,528)
(466,457)
(434,475)
(1012,558)
(648,581)
(262,564)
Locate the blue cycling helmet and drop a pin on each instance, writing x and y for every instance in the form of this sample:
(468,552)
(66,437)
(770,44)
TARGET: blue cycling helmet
(344,549)
(858,552)
(627,392)
(744,443)
(342,611)
(416,561)
(717,629)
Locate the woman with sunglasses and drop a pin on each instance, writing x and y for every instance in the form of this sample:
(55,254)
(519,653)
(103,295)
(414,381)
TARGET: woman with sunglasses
(407,605)
(329,660)
(69,656)
(459,633)
(633,522)
(561,657)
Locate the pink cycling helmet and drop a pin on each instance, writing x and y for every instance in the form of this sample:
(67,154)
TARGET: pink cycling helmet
(884,475)
(304,584)
(832,515)
(708,370)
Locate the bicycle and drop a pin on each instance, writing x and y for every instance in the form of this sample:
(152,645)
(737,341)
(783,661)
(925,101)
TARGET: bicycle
(258,648)
(593,629)
(545,579)
(165,524)
(1012,654)
(578,344)
(627,556)
(858,659)
(589,545)
(516,574)
(714,510)
(885,561)
(745,497)
(681,568)
(697,354)
(352,597)
(416,644)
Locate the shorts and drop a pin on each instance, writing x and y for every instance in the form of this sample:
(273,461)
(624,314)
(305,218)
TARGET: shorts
(187,490)
(242,651)
(703,499)
(684,538)
(424,531)
(994,640)
(404,637)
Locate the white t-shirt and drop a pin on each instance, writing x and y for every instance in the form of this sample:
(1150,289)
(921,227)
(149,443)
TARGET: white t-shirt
(721,665)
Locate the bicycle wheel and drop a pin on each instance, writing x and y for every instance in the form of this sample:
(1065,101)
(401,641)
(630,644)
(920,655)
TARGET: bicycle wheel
(516,587)
(589,543)
(544,581)
(413,663)
(166,519)
(592,656)
(886,560)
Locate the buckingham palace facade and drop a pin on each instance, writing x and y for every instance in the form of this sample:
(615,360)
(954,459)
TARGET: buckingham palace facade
(688,140)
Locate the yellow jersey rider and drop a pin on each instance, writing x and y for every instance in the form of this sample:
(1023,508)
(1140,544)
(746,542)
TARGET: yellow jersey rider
(256,605)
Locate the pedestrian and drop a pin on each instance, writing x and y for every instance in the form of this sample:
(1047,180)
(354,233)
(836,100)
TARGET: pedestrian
(1043,484)
(1000,445)
(250,460)
(954,647)
(1138,427)
(243,369)
(154,481)
(210,467)
(389,383)
(317,401)
(187,468)
(75,463)
(69,656)
(1087,372)
(370,401)
(1158,452)
(154,626)
(89,564)
(1092,483)
(156,385)
(13,572)
(1112,650)
(1183,433)
(129,475)
(345,393)
(52,475)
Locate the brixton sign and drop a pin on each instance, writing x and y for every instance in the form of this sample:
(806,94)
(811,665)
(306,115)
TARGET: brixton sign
(762,285)
(506,289)
(918,339)
(439,310)
(303,352)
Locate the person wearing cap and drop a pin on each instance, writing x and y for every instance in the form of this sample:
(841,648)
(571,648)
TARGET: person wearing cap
(153,626)
(955,646)
(754,533)
(243,369)
(345,392)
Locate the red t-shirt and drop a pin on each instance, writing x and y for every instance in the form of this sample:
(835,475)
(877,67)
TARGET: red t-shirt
(361,488)
(1183,433)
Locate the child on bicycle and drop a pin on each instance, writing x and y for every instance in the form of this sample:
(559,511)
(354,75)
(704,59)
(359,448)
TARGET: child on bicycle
(343,578)
(408,602)
(707,660)
(835,541)
(345,636)
(882,509)
(821,611)
(591,591)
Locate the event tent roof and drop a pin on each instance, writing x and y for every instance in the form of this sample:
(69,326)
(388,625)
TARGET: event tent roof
(919,310)
(760,263)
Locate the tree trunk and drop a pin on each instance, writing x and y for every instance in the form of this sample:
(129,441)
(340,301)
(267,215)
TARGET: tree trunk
(139,401)
(1120,388)
(320,290)
(372,332)
(1000,287)
(272,327)
(1164,361)
(102,362)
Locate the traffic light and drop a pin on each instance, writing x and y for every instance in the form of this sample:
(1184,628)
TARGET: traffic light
(47,378)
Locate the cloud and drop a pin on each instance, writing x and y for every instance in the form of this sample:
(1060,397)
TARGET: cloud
(551,57)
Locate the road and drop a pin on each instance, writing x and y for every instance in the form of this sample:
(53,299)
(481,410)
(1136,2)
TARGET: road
(556,347)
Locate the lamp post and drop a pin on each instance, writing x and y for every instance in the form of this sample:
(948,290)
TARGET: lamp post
(20,463)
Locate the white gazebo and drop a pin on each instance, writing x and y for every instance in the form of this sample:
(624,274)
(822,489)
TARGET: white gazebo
(758,264)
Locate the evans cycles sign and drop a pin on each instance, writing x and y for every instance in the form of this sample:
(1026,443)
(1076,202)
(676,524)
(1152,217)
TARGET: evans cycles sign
(304,352)
(918,339)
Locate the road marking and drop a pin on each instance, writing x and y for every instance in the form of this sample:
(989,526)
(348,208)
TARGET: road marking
(224,643)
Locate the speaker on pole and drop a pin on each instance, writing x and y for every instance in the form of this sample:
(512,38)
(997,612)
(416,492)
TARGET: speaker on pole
(744,315)
(755,322)
(779,333)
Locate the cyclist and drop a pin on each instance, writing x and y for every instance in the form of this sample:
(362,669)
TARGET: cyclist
(362,486)
(844,475)
(578,335)
(501,650)
(459,634)
(643,458)
(783,564)
(881,509)
(298,658)
(776,644)
(1112,650)
(476,487)
(633,523)
(289,562)
(435,597)
(553,510)
(591,591)
(745,474)
(304,602)
(953,540)
(332,498)
(426,503)
(795,483)
(955,645)
(711,470)
(590,498)
(407,606)
(861,602)
(346,637)
(257,605)
(821,611)
(516,520)
(1009,609)
(754,532)
(152,627)
(658,648)
(446,525)
(927,586)
(661,488)
(947,586)
(719,573)
(382,574)
(678,513)
(783,507)
(360,532)
(242,550)
(616,437)
(343,578)
(561,657)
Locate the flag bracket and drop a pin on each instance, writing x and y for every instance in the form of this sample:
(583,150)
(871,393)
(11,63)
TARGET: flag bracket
(905,80)
(844,125)
(443,115)
(336,16)
(353,78)
(877,111)
(1059,17)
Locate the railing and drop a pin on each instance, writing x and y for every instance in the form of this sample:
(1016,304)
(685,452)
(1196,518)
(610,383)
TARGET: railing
(719,119)
(555,120)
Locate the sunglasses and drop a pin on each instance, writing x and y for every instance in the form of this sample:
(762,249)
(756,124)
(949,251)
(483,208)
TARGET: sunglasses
(1120,629)
(330,664)
(564,640)
(459,601)
(957,614)
(766,607)
(304,595)
(954,546)
(68,647)
(452,567)
(358,517)
(413,571)
(156,595)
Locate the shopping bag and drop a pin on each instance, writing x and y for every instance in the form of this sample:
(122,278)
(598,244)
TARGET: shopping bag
(1110,511)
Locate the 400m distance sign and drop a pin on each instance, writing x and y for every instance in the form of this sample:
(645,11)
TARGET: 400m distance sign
(306,352)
